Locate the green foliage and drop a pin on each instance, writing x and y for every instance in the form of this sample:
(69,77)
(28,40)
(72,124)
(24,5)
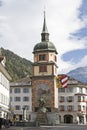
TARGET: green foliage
(16,66)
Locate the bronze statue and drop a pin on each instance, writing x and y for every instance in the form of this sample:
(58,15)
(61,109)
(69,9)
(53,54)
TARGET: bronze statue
(41,102)
(42,105)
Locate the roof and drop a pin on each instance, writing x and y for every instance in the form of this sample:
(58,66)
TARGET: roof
(45,44)
(75,81)
(26,81)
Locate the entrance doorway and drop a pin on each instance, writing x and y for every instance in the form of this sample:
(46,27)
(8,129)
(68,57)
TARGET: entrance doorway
(20,117)
(68,119)
(81,119)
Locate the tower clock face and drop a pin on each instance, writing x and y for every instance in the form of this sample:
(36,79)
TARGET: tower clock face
(43,91)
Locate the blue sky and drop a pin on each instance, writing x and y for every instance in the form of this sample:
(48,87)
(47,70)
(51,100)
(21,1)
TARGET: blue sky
(83,9)
(77,55)
(21,24)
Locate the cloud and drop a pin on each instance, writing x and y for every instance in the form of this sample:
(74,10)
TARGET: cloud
(22,22)
(83,61)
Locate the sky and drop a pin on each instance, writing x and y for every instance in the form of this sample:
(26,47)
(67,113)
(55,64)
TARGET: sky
(21,23)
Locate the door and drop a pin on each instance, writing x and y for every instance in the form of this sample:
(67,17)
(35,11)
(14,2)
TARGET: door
(68,119)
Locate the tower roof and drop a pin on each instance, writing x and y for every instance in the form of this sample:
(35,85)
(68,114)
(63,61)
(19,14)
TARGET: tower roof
(45,44)
(45,30)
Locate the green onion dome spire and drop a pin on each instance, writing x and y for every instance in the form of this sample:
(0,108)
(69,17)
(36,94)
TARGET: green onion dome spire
(45,44)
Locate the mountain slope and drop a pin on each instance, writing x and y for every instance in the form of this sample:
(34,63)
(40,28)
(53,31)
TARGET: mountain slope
(16,66)
(19,67)
(79,74)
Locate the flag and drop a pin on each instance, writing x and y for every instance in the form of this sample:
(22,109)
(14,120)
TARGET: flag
(61,81)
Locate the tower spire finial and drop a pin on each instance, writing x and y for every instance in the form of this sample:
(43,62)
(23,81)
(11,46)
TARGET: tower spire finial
(45,30)
(45,34)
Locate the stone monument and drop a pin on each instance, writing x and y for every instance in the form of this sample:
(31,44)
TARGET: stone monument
(41,117)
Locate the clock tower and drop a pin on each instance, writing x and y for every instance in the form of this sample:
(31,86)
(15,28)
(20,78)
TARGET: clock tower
(44,73)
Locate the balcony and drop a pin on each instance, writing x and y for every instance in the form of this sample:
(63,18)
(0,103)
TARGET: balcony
(69,100)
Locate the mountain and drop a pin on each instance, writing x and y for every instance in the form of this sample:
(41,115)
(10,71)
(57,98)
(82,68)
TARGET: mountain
(16,66)
(79,74)
(19,67)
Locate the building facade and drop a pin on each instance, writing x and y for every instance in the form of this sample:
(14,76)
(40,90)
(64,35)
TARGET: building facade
(73,102)
(4,89)
(21,98)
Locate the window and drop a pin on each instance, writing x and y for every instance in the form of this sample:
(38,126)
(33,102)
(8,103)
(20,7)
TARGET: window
(80,90)
(25,99)
(42,57)
(84,108)
(61,108)
(17,99)
(79,107)
(70,108)
(70,99)
(17,90)
(4,81)
(79,98)
(83,99)
(61,89)
(25,90)
(69,89)
(61,99)
(17,107)
(43,68)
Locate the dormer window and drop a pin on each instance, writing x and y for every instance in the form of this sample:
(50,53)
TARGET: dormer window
(42,57)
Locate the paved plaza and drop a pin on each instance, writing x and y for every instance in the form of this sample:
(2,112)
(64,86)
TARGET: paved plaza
(60,127)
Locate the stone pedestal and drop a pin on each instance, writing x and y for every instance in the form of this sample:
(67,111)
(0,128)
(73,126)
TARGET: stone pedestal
(41,118)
